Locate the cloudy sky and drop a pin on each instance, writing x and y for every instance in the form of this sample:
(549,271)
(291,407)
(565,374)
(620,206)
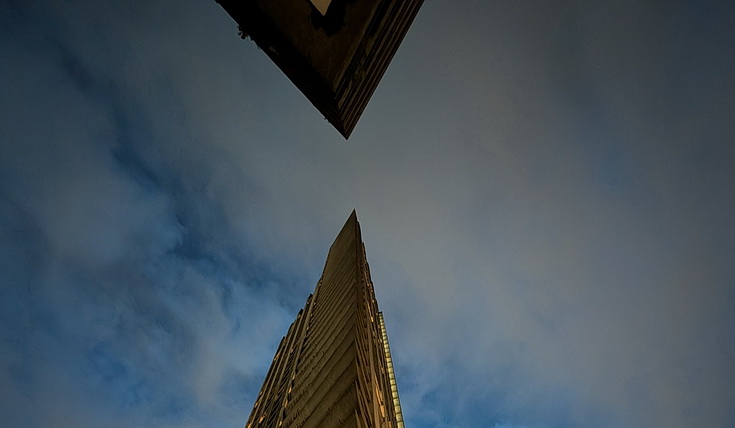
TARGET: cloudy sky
(546,192)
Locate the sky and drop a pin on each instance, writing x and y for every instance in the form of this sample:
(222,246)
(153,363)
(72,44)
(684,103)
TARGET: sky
(546,192)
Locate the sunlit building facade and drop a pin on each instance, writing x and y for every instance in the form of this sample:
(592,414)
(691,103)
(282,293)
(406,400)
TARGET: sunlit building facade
(333,368)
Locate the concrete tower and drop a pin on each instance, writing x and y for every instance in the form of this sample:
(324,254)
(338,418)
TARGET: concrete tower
(334,51)
(333,368)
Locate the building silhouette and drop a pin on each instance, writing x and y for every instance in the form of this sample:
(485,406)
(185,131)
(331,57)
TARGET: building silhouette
(333,368)
(334,51)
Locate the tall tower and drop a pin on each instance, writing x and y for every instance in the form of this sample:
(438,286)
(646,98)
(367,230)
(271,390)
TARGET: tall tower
(334,51)
(333,368)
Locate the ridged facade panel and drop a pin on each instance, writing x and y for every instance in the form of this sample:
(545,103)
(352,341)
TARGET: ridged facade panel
(331,369)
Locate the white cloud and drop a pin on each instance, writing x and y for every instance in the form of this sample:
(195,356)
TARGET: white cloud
(549,246)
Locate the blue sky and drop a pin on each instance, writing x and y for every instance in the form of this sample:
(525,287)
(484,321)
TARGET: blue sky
(545,192)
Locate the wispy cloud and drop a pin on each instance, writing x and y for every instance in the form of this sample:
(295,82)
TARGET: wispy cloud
(544,192)
(125,300)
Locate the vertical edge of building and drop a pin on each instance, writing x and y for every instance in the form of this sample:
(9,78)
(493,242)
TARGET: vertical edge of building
(391,375)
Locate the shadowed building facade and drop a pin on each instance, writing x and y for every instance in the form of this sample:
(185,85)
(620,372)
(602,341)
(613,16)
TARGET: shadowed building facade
(333,368)
(334,51)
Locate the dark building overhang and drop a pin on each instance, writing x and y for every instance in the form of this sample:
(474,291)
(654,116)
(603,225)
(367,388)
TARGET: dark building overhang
(334,51)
